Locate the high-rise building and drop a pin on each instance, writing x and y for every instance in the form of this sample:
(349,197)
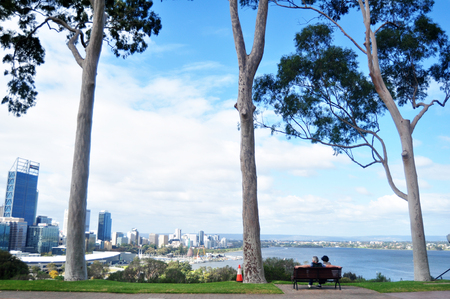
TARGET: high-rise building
(153,239)
(42,237)
(5,233)
(18,232)
(43,219)
(201,236)
(66,221)
(133,236)
(104,226)
(163,240)
(177,234)
(115,235)
(21,191)
(90,241)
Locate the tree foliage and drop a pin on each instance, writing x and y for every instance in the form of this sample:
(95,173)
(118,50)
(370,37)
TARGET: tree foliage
(278,268)
(127,23)
(319,92)
(11,266)
(97,270)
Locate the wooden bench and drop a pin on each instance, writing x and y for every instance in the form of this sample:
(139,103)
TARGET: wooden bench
(302,274)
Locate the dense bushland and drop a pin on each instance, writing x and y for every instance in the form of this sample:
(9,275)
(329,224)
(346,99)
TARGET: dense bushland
(151,270)
(278,268)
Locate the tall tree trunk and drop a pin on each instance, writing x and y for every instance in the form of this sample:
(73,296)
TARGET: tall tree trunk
(420,257)
(75,258)
(248,64)
(404,129)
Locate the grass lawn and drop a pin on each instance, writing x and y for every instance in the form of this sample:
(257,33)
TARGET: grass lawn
(395,287)
(105,286)
(228,287)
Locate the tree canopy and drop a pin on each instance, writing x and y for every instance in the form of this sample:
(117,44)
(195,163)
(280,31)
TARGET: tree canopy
(321,94)
(127,23)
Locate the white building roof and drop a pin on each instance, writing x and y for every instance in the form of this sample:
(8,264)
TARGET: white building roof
(62,258)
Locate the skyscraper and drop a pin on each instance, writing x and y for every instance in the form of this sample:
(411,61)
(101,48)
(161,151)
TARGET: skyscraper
(201,237)
(21,191)
(104,226)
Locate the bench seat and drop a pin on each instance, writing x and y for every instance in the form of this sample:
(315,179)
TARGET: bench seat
(306,273)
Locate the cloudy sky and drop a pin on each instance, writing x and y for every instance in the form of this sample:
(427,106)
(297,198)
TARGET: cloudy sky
(165,144)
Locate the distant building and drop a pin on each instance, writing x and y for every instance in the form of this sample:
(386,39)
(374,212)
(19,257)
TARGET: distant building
(42,238)
(163,240)
(133,237)
(18,232)
(201,236)
(21,191)
(104,226)
(177,234)
(122,240)
(114,237)
(190,240)
(43,219)
(153,239)
(5,233)
(90,241)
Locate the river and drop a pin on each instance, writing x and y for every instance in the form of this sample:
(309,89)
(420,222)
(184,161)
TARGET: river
(394,264)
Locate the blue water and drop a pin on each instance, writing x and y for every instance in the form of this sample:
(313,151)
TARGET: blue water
(394,264)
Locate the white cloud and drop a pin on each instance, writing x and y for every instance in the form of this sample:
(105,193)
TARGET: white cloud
(362,190)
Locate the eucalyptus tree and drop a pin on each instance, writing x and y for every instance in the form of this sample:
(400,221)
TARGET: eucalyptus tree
(123,24)
(248,64)
(322,96)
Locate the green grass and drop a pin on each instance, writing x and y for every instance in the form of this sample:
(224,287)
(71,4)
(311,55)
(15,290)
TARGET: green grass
(395,287)
(405,286)
(228,287)
(105,286)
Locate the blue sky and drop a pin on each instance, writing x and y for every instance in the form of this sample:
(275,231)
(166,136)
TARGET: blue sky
(165,148)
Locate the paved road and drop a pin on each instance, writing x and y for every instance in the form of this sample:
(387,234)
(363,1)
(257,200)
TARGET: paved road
(326,292)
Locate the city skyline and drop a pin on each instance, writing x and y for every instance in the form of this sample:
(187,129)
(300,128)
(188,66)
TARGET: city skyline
(165,147)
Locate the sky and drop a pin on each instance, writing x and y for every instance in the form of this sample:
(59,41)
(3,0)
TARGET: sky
(165,139)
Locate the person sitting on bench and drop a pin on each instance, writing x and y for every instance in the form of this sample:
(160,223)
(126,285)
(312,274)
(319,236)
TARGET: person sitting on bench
(315,263)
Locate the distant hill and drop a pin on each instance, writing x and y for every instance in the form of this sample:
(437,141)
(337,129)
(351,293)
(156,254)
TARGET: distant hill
(335,238)
(326,238)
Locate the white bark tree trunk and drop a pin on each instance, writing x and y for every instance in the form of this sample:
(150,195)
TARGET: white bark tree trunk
(405,130)
(75,258)
(420,256)
(248,64)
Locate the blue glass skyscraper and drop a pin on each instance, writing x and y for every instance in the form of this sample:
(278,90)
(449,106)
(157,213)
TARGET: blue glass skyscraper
(21,191)
(104,226)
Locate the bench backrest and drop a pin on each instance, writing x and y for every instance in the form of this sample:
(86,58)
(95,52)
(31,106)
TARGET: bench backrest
(313,272)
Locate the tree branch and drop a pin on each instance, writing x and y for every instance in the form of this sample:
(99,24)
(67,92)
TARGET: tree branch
(71,44)
(237,33)
(295,6)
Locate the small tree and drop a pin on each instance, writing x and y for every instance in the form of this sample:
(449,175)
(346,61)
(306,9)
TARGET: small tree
(11,266)
(53,274)
(97,270)
(153,269)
